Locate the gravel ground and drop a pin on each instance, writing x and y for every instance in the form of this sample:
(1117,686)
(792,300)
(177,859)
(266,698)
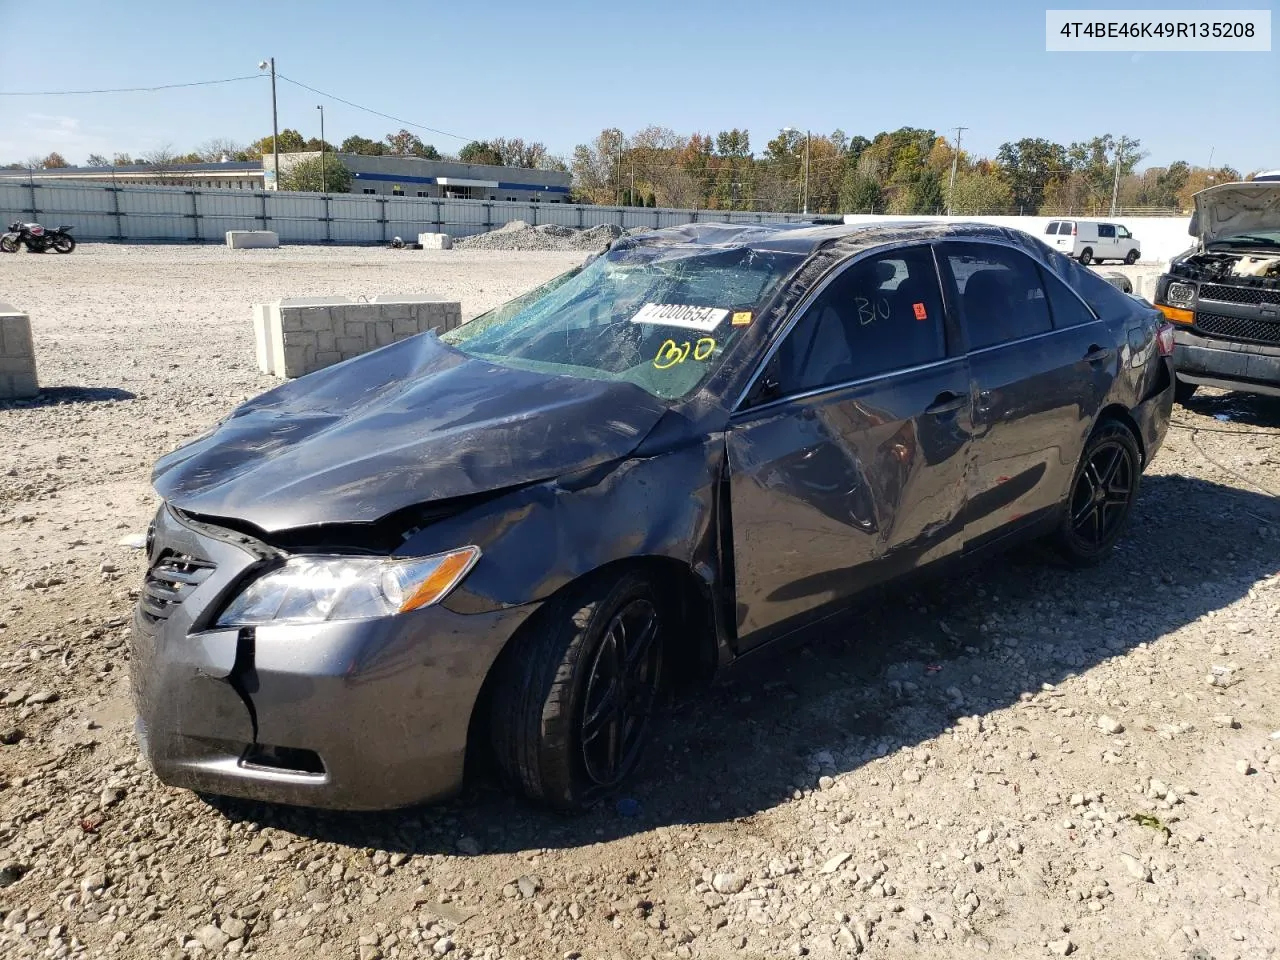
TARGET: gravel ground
(1015,763)
(518,236)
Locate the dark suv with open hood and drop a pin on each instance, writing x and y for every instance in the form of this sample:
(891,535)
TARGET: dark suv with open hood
(1224,293)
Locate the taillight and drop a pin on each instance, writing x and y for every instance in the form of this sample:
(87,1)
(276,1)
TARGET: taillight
(1073,229)
(1164,339)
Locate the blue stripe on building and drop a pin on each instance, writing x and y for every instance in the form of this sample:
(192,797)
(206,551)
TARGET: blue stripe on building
(391,178)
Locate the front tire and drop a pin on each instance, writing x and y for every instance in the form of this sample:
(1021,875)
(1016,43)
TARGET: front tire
(8,245)
(64,244)
(1086,256)
(575,691)
(1131,257)
(1103,492)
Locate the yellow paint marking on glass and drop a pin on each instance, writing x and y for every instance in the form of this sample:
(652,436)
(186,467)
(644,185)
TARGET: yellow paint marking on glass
(672,353)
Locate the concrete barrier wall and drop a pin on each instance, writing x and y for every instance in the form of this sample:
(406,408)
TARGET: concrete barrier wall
(1161,237)
(17,355)
(297,336)
(252,239)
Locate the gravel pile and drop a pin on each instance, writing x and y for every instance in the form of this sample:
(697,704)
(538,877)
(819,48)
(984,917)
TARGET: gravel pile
(520,236)
(1018,763)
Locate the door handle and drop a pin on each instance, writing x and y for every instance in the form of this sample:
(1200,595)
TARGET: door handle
(1098,354)
(945,402)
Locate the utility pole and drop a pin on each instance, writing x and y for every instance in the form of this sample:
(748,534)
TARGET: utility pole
(1121,145)
(324,182)
(275,124)
(617,196)
(955,163)
(806,171)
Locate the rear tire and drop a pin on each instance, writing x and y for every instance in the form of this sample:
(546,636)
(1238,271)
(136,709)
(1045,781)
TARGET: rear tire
(64,244)
(1103,492)
(1131,257)
(574,692)
(1086,256)
(1183,391)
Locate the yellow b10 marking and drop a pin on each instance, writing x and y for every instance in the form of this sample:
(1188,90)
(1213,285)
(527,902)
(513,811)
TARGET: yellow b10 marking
(671,353)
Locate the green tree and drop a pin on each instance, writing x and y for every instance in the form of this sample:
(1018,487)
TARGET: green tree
(859,193)
(480,151)
(291,141)
(363,146)
(305,175)
(1029,165)
(980,193)
(926,194)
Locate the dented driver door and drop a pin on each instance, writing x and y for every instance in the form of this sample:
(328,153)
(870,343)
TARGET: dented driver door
(847,460)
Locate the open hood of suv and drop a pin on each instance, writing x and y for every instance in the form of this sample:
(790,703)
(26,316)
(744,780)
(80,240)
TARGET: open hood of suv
(1230,209)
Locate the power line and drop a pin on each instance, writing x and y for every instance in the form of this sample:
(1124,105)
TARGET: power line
(378,113)
(164,86)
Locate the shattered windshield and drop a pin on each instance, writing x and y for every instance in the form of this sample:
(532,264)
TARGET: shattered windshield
(660,317)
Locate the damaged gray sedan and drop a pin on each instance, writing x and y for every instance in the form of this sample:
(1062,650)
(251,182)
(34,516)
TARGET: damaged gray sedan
(513,538)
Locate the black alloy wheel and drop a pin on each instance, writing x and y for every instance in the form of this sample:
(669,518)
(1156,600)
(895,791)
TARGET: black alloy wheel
(620,694)
(1102,495)
(573,695)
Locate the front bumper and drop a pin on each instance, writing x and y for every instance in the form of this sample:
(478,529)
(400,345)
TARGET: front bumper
(1228,364)
(355,715)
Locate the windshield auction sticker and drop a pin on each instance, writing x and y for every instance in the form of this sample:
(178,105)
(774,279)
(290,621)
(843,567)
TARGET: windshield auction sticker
(704,319)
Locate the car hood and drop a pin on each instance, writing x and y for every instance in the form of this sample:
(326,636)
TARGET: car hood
(1235,208)
(413,422)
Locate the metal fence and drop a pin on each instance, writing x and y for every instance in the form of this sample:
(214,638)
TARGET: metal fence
(160,214)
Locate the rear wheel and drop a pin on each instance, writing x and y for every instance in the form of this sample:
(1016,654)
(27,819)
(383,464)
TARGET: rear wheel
(1086,256)
(574,694)
(1103,493)
(1131,257)
(64,243)
(1183,391)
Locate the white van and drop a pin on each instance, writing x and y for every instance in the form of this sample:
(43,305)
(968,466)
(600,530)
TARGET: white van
(1090,240)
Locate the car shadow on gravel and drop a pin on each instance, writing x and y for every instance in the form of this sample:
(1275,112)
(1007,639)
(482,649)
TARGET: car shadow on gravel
(58,396)
(1246,409)
(895,674)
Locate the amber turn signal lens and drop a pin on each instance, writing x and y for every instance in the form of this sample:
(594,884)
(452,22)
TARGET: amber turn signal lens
(1177,314)
(442,579)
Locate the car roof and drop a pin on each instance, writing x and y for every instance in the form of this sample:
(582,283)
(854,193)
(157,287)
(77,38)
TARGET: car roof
(806,237)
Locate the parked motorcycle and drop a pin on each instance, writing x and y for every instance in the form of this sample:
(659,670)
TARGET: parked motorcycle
(37,238)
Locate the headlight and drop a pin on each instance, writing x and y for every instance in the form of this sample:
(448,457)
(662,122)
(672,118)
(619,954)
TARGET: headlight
(1180,294)
(320,589)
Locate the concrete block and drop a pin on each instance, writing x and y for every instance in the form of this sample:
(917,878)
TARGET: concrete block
(352,346)
(327,358)
(252,239)
(301,334)
(15,333)
(435,241)
(17,355)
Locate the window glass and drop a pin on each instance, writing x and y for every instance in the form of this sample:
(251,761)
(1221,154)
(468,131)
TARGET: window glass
(1053,226)
(661,316)
(881,314)
(1106,230)
(1123,233)
(1066,307)
(1001,296)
